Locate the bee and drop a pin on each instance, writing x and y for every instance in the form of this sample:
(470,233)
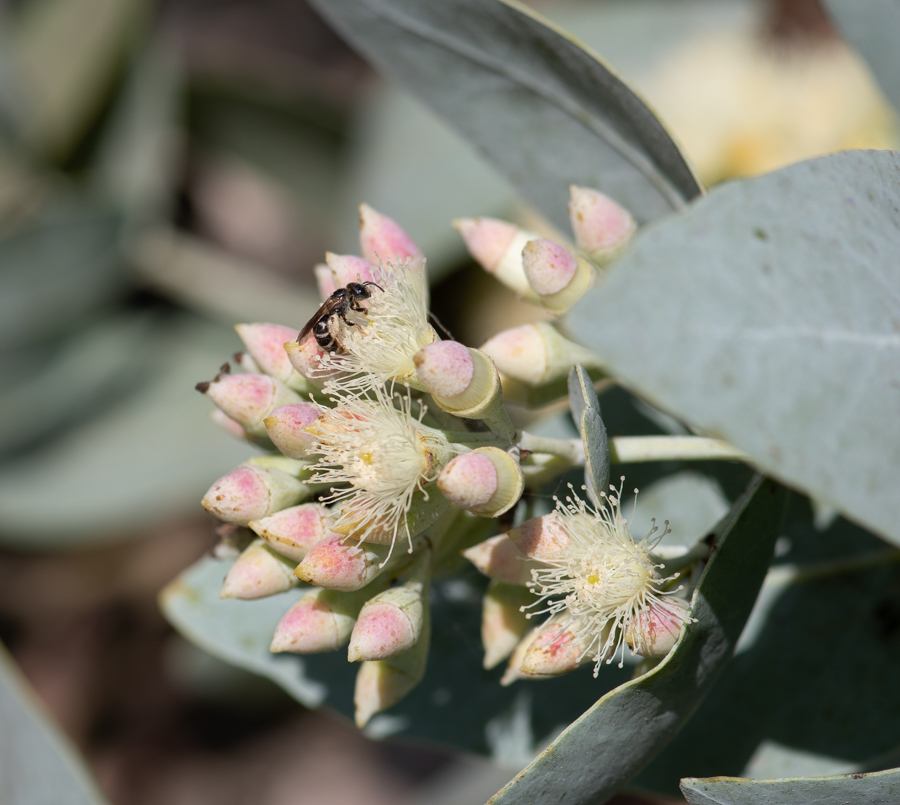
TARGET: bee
(342,300)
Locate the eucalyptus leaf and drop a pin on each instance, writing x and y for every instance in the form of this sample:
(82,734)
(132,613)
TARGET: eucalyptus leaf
(503,76)
(879,788)
(612,741)
(586,411)
(871,27)
(784,340)
(37,763)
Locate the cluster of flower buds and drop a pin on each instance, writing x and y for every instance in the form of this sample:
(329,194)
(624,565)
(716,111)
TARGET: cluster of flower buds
(385,447)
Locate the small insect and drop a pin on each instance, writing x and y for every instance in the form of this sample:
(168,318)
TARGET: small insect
(342,300)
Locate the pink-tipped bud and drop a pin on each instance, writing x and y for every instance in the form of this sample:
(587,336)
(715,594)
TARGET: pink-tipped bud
(446,368)
(265,343)
(503,624)
(654,632)
(258,572)
(382,239)
(325,281)
(390,623)
(293,531)
(487,481)
(305,358)
(250,493)
(536,353)
(555,274)
(348,268)
(248,399)
(286,427)
(556,649)
(602,227)
(499,559)
(321,620)
(541,538)
(340,564)
(497,247)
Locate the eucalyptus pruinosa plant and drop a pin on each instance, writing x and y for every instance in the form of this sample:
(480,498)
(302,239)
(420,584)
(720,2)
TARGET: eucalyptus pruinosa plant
(754,328)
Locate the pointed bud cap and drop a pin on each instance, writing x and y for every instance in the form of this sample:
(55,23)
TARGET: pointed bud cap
(347,268)
(390,623)
(540,538)
(558,277)
(321,620)
(499,559)
(497,247)
(265,345)
(503,624)
(305,358)
(258,572)
(250,493)
(325,281)
(536,353)
(248,399)
(382,239)
(337,563)
(602,227)
(556,649)
(486,481)
(293,531)
(654,632)
(286,427)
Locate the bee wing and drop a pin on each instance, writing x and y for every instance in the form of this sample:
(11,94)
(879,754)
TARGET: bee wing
(325,308)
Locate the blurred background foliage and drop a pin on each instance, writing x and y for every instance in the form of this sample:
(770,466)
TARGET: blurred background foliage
(170,168)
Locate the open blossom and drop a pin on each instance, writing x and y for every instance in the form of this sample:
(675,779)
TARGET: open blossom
(379,346)
(604,581)
(376,455)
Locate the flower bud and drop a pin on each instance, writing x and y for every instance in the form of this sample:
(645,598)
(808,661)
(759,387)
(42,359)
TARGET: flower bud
(257,573)
(305,358)
(246,364)
(541,538)
(497,247)
(391,622)
(602,228)
(382,239)
(325,281)
(499,559)
(321,620)
(231,427)
(655,631)
(513,670)
(265,344)
(247,399)
(557,648)
(382,683)
(486,481)
(293,531)
(536,353)
(250,493)
(503,624)
(340,564)
(558,277)
(347,268)
(286,427)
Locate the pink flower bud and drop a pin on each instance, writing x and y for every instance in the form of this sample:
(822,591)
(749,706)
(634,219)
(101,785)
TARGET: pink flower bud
(486,481)
(347,268)
(541,538)
(321,620)
(286,427)
(556,649)
(340,564)
(555,274)
(247,399)
(265,343)
(305,358)
(257,573)
(250,493)
(497,247)
(498,558)
(325,281)
(382,239)
(293,531)
(446,368)
(654,632)
(602,228)
(513,670)
(503,624)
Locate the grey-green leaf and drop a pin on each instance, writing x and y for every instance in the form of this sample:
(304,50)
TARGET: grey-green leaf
(878,788)
(613,740)
(586,412)
(871,26)
(769,315)
(538,105)
(37,763)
